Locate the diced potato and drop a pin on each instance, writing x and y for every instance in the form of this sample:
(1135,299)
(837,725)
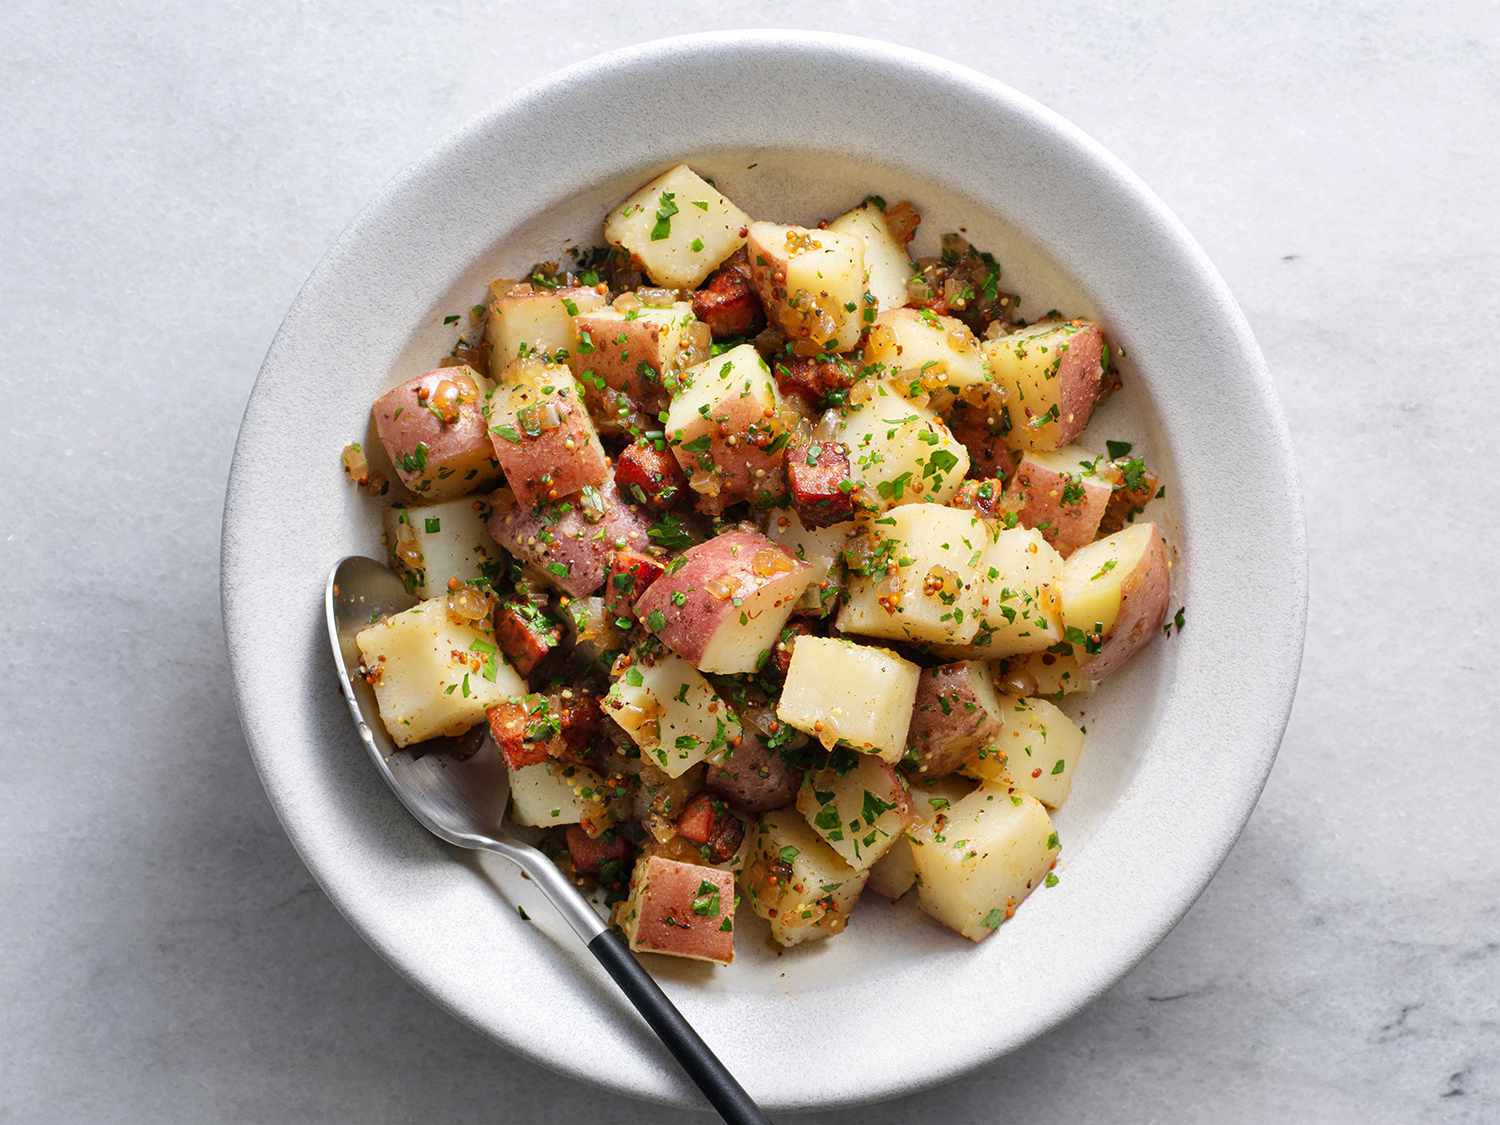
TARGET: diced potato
(820,548)
(811,282)
(754,777)
(957,715)
(1046,673)
(634,352)
(798,883)
(928,358)
(671,713)
(526,320)
(933,594)
(679,227)
(432,674)
(900,452)
(680,909)
(722,603)
(571,543)
(1051,372)
(726,430)
(542,434)
(1115,591)
(838,691)
(1019,610)
(886,265)
(1039,748)
(860,810)
(431,543)
(1063,495)
(979,860)
(433,430)
(552,793)
(896,872)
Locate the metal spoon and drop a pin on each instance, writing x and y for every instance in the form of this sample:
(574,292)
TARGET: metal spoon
(463,801)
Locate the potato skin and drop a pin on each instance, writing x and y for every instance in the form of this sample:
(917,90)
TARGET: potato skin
(573,553)
(1144,596)
(708,579)
(948,720)
(543,464)
(437,459)
(655,472)
(668,914)
(1070,504)
(753,777)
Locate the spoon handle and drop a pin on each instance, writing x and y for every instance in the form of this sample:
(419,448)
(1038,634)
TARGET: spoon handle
(719,1086)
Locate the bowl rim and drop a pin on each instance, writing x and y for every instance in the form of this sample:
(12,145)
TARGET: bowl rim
(917,66)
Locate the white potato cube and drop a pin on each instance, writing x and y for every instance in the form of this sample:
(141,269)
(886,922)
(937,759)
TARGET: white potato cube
(860,808)
(979,860)
(679,227)
(933,595)
(886,265)
(811,282)
(526,320)
(895,873)
(1092,581)
(1019,610)
(928,358)
(432,674)
(431,543)
(670,712)
(820,548)
(1037,751)
(838,691)
(552,793)
(725,428)
(798,883)
(900,452)
(1047,673)
(1051,372)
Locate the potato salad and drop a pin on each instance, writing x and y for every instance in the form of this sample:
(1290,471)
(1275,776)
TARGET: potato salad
(765,555)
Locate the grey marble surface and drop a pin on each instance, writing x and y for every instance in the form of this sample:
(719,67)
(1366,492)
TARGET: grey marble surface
(170,172)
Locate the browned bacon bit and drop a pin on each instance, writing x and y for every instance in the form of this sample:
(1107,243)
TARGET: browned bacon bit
(579,715)
(811,377)
(817,474)
(1135,487)
(902,219)
(982,431)
(630,572)
(525,634)
(603,856)
(649,475)
(508,724)
(985,498)
(781,652)
(727,303)
(707,821)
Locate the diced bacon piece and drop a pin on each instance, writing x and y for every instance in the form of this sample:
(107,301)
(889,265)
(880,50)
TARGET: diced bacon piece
(986,498)
(508,722)
(727,303)
(526,634)
(983,435)
(811,378)
(781,655)
(650,475)
(605,856)
(629,574)
(818,476)
(697,820)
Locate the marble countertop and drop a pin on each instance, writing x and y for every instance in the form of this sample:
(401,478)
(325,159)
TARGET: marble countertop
(168,177)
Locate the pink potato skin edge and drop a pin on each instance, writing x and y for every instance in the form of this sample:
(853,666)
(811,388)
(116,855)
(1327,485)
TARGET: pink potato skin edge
(690,626)
(585,548)
(934,732)
(670,888)
(402,421)
(526,462)
(1079,379)
(1070,526)
(754,777)
(1143,606)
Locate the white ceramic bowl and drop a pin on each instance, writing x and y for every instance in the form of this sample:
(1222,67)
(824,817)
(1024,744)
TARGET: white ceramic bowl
(794,126)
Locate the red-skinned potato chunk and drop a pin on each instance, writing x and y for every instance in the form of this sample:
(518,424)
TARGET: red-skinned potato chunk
(571,542)
(1052,372)
(526,634)
(632,351)
(817,474)
(650,475)
(1115,592)
(727,302)
(542,434)
(982,429)
(1063,496)
(753,777)
(680,909)
(726,430)
(957,712)
(721,604)
(433,430)
(630,574)
(527,320)
(604,856)
(811,282)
